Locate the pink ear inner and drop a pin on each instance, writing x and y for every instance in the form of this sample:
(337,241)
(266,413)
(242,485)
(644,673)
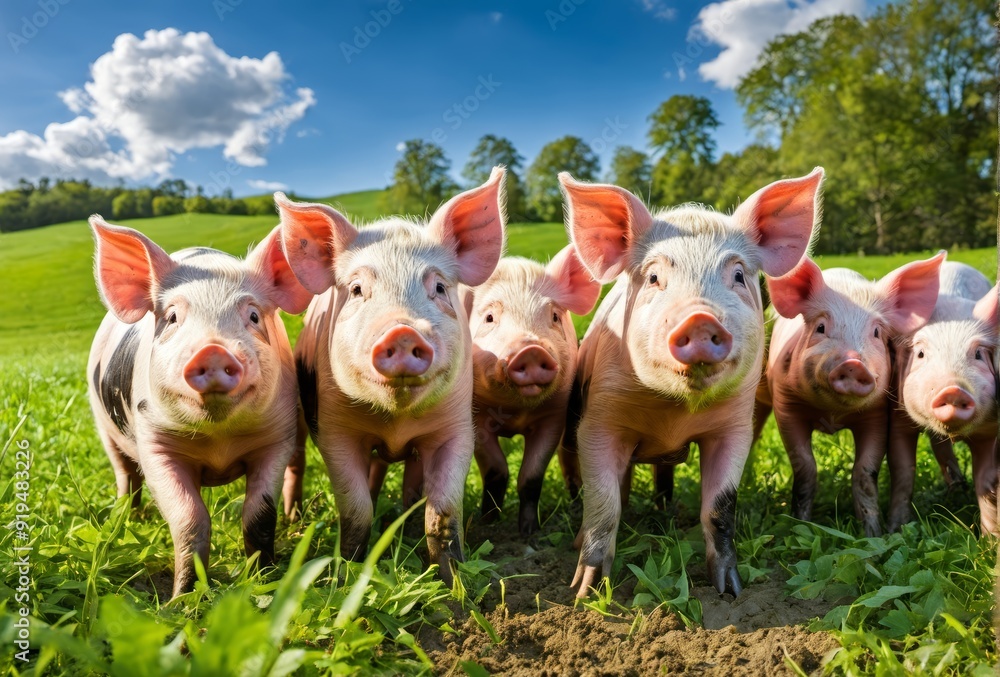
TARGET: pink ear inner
(268,260)
(577,289)
(987,311)
(473,223)
(312,235)
(604,221)
(781,217)
(911,291)
(791,293)
(128,268)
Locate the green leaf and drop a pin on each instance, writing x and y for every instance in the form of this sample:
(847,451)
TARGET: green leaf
(473,669)
(884,594)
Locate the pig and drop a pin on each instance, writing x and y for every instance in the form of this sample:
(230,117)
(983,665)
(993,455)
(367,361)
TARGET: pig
(946,384)
(192,381)
(385,356)
(828,366)
(675,350)
(524,360)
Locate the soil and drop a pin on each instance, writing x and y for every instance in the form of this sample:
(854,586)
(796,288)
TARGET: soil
(543,634)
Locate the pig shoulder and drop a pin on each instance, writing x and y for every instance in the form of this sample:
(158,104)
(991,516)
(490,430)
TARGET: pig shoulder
(115,385)
(960,279)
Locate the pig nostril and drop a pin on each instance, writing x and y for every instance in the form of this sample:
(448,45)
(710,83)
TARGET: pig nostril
(418,353)
(683,341)
(389,352)
(716,340)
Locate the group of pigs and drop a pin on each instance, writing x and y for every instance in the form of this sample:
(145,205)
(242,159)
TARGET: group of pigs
(422,345)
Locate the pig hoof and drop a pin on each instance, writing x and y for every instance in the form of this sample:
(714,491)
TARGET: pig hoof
(527,522)
(726,578)
(872,528)
(586,579)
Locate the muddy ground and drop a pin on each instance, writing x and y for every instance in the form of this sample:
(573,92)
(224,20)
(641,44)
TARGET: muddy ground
(543,634)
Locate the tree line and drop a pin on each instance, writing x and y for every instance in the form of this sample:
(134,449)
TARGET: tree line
(899,107)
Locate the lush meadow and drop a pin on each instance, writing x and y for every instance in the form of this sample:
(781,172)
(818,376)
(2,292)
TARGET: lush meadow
(819,596)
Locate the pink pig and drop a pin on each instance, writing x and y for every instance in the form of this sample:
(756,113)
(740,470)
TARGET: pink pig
(946,382)
(524,359)
(385,356)
(675,350)
(192,381)
(829,366)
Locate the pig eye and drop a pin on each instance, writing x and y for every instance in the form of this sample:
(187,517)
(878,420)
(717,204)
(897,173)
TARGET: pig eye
(979,353)
(821,328)
(555,318)
(254,317)
(172,318)
(653,278)
(740,279)
(876,332)
(489,318)
(920,355)
(439,289)
(355,289)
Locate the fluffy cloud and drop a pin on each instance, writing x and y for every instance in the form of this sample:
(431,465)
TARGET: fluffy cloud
(658,9)
(154,97)
(744,27)
(266,186)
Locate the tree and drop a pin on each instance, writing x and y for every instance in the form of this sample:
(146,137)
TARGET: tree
(123,206)
(164,205)
(420,179)
(680,130)
(197,204)
(631,170)
(489,152)
(568,154)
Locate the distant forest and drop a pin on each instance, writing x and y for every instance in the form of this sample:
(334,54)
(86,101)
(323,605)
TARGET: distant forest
(900,108)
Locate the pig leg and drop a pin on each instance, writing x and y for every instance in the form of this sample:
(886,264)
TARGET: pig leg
(604,461)
(445,469)
(796,435)
(295,472)
(493,469)
(177,492)
(569,461)
(413,481)
(664,479)
(761,410)
(869,452)
(259,513)
(625,488)
(722,461)
(347,463)
(539,446)
(128,478)
(944,452)
(376,478)
(984,473)
(903,437)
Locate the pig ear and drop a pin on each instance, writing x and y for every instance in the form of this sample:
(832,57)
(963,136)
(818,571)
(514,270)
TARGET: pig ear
(467,297)
(129,266)
(986,309)
(781,218)
(268,262)
(791,293)
(603,222)
(911,292)
(312,236)
(576,289)
(473,223)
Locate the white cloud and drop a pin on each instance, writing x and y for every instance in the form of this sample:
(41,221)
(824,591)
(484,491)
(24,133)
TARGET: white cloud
(401,146)
(659,9)
(744,27)
(268,186)
(495,17)
(150,99)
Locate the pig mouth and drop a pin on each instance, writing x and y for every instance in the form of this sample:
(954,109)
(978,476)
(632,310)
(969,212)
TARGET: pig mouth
(702,376)
(217,407)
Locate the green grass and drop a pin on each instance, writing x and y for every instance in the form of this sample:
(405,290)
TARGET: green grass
(915,602)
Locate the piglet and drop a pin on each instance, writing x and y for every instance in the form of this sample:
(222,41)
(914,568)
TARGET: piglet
(524,360)
(675,350)
(192,381)
(946,382)
(829,366)
(385,356)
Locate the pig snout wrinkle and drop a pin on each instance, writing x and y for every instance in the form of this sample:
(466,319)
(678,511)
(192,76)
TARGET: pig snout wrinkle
(953,405)
(532,366)
(213,369)
(402,352)
(700,339)
(851,377)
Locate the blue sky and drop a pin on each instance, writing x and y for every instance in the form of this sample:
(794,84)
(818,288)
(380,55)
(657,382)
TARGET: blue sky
(321,122)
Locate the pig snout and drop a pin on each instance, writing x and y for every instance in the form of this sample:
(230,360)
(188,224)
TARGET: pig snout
(700,339)
(851,377)
(402,352)
(953,405)
(213,369)
(532,368)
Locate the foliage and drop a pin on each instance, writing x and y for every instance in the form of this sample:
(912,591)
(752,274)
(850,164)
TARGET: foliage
(420,179)
(568,154)
(489,152)
(631,170)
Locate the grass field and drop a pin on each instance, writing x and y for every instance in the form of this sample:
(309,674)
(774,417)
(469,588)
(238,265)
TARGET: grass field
(823,597)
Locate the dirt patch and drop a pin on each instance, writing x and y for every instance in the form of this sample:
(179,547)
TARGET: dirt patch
(543,634)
